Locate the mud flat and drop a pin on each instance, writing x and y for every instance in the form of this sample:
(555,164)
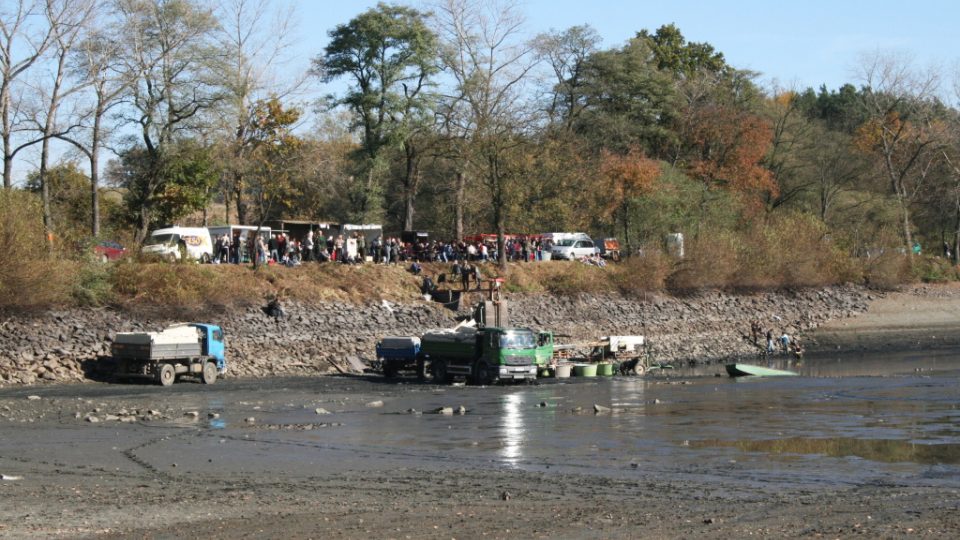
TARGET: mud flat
(918,318)
(356,457)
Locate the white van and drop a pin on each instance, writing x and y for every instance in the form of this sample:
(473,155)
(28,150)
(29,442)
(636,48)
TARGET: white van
(174,243)
(571,246)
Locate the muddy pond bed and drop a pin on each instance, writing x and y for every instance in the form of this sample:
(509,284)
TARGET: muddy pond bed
(856,444)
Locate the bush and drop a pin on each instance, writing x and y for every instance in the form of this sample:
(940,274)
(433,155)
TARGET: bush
(29,276)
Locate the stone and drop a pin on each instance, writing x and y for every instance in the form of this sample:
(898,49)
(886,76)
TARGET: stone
(93,419)
(321,410)
(375,404)
(445,410)
(192,414)
(33,398)
(599,409)
(461,410)
(250,420)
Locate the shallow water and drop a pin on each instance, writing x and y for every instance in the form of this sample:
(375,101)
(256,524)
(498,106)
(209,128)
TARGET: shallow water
(836,430)
(844,421)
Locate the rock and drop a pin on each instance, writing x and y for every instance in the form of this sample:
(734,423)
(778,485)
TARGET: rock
(505,496)
(93,419)
(192,414)
(542,404)
(111,418)
(374,404)
(213,415)
(461,410)
(33,398)
(598,409)
(250,420)
(321,410)
(445,410)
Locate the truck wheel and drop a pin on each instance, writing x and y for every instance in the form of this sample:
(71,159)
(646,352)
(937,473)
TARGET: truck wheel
(421,370)
(209,373)
(485,375)
(638,369)
(389,371)
(167,375)
(440,371)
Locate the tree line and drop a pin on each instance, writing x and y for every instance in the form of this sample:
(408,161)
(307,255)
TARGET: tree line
(453,119)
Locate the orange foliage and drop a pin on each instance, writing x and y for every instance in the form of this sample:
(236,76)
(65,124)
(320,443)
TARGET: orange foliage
(731,146)
(627,176)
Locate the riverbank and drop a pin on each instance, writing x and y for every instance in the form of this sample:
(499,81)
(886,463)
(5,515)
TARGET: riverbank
(336,337)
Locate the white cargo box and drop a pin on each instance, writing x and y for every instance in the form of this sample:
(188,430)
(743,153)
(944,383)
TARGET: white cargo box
(624,343)
(170,336)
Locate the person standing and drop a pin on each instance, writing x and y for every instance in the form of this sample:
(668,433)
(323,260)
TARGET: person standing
(770,346)
(361,247)
(785,342)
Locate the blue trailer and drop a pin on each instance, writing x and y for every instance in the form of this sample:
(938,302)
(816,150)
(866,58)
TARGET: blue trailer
(193,349)
(400,353)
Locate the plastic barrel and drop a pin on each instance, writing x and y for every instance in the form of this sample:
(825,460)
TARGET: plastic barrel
(605,370)
(585,370)
(563,371)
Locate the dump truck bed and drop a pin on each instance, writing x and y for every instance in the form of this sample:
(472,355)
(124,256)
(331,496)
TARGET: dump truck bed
(180,341)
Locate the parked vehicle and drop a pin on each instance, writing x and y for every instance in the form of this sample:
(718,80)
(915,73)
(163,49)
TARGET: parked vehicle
(194,349)
(609,248)
(177,243)
(107,250)
(481,355)
(572,249)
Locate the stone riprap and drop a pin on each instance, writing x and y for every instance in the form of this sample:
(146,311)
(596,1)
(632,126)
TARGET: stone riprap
(67,345)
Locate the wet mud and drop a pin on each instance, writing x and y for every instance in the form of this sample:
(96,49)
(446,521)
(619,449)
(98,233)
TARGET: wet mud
(855,445)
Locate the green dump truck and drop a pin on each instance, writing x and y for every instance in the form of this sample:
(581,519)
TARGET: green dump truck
(481,355)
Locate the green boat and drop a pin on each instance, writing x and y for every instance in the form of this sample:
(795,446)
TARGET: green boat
(744,370)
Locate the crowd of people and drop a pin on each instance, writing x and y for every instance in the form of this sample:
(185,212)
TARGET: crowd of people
(354,249)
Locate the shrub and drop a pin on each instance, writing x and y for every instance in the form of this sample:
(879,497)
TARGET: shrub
(30,275)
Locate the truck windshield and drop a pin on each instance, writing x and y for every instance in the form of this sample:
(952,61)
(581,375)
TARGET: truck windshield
(517,340)
(160,239)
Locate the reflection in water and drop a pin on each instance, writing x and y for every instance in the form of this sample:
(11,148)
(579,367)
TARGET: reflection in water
(511,428)
(882,450)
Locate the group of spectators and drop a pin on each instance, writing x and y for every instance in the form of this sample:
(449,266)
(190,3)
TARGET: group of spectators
(354,248)
(785,344)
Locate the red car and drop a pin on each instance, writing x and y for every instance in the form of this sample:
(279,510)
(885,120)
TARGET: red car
(109,251)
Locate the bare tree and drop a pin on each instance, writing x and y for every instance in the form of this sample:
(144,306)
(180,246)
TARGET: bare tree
(21,45)
(67,20)
(484,52)
(902,130)
(97,65)
(255,37)
(169,59)
(566,53)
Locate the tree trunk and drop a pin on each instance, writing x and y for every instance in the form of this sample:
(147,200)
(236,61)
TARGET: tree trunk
(238,193)
(94,173)
(410,182)
(5,127)
(45,189)
(459,195)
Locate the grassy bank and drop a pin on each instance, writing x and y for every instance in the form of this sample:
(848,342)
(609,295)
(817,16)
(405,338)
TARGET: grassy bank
(131,283)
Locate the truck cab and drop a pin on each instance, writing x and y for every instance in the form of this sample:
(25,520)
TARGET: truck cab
(213,343)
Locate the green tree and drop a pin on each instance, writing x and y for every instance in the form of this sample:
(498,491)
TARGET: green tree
(672,53)
(389,54)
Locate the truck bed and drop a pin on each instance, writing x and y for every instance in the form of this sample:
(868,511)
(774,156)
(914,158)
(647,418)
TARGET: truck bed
(135,351)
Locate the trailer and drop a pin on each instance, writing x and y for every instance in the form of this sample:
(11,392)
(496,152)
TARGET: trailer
(399,353)
(192,349)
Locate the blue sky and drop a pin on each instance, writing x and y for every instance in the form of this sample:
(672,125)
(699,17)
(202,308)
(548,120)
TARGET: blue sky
(798,43)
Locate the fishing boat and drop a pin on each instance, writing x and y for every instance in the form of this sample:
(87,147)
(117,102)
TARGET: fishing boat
(744,370)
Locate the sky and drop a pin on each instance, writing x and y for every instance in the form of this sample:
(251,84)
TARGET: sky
(796,44)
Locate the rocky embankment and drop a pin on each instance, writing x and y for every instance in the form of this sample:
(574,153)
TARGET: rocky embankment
(67,345)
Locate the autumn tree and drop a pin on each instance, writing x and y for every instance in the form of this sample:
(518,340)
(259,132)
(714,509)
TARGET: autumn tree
(255,37)
(626,178)
(901,132)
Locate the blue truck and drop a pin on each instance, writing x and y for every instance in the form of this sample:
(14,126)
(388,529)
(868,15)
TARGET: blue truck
(191,349)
